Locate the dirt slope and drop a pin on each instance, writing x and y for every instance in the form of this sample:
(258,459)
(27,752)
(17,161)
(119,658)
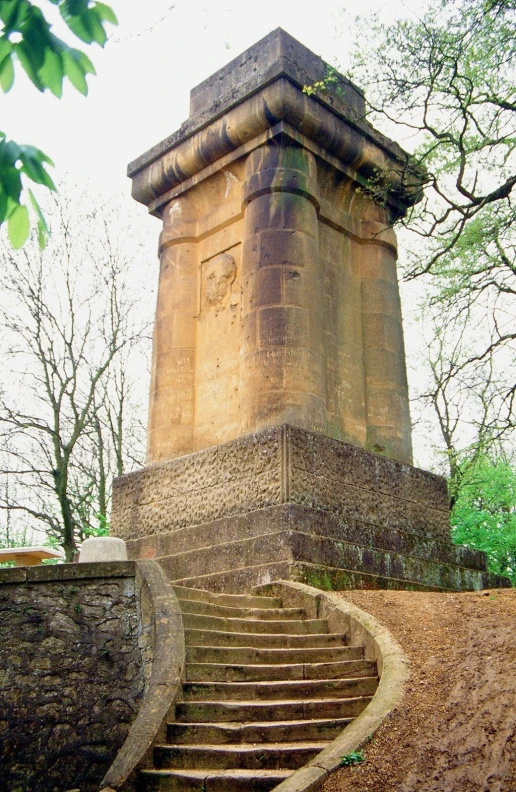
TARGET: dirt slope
(456,730)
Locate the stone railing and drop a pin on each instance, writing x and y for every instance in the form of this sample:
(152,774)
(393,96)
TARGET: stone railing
(362,629)
(160,610)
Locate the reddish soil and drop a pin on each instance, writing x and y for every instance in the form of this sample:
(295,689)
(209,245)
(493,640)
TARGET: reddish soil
(456,728)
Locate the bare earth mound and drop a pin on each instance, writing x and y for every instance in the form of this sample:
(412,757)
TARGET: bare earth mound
(456,728)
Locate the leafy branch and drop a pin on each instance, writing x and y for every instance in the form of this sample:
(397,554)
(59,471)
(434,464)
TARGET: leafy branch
(26,38)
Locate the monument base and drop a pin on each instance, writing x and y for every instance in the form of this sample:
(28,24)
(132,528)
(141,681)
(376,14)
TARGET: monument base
(284,503)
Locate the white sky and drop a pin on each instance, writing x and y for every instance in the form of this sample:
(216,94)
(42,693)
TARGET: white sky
(159,51)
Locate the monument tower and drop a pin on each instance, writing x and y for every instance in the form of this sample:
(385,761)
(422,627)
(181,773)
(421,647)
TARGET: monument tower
(279,440)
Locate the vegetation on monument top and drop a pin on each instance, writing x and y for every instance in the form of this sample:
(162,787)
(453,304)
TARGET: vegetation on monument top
(27,38)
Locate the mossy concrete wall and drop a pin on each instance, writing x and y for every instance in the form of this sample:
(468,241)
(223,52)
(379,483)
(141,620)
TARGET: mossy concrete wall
(74,656)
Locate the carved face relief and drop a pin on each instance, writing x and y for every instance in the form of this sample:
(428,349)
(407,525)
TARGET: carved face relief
(220,273)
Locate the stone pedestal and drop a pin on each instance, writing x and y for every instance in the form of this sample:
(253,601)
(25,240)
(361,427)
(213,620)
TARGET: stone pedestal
(287,503)
(278,359)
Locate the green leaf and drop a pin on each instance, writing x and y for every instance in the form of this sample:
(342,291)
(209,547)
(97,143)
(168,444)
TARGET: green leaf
(87,23)
(9,152)
(32,151)
(76,7)
(79,28)
(76,20)
(75,71)
(13,13)
(96,28)
(51,73)
(106,13)
(12,206)
(83,60)
(42,227)
(10,180)
(32,166)
(6,47)
(3,206)
(24,56)
(352,758)
(36,35)
(6,74)
(8,10)
(18,227)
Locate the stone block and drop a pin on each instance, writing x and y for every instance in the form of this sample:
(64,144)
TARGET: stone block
(280,213)
(103,548)
(284,326)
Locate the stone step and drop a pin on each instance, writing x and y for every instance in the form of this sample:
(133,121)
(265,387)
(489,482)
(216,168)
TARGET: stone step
(236,579)
(196,637)
(265,756)
(395,569)
(217,672)
(257,732)
(196,621)
(246,655)
(280,690)
(279,710)
(225,612)
(228,600)
(212,780)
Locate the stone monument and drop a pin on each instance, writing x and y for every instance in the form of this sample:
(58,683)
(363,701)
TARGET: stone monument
(279,441)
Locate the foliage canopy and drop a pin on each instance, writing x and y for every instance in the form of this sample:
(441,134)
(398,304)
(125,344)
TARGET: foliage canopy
(484,514)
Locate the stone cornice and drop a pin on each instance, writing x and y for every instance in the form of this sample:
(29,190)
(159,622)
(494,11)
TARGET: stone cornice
(355,145)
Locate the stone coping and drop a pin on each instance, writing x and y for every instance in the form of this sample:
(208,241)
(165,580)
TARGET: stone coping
(197,145)
(379,645)
(164,684)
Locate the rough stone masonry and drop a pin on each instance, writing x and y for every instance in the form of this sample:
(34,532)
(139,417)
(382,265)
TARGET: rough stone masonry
(74,652)
(279,439)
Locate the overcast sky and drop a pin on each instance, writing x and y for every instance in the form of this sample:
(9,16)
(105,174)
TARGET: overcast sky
(159,51)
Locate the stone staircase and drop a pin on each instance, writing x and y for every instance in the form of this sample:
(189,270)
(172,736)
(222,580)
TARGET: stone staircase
(266,689)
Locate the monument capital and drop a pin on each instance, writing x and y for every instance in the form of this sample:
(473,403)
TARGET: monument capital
(259,96)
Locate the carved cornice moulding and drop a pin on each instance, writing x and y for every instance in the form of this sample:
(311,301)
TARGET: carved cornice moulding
(254,120)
